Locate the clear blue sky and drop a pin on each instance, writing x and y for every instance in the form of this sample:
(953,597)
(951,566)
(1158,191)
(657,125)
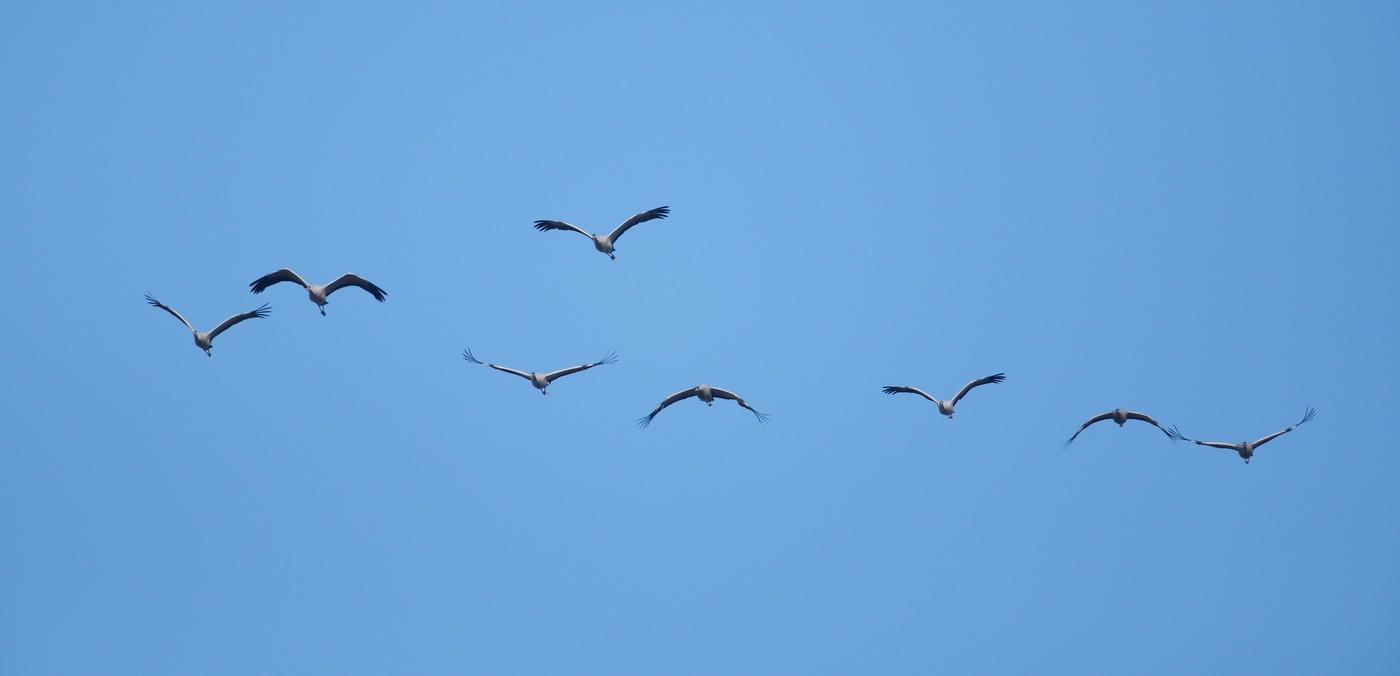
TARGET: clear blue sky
(1187,210)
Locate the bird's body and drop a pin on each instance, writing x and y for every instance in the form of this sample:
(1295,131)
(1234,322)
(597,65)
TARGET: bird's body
(606,243)
(541,380)
(1121,417)
(204,340)
(1245,449)
(706,394)
(320,295)
(946,407)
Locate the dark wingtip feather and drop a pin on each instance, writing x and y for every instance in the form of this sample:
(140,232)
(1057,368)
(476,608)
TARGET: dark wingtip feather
(1176,435)
(644,421)
(609,358)
(151,299)
(1312,413)
(660,212)
(890,390)
(545,225)
(263,311)
(467,355)
(260,284)
(1000,377)
(377,292)
(1169,434)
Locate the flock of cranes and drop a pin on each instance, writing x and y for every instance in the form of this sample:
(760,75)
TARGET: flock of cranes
(607,244)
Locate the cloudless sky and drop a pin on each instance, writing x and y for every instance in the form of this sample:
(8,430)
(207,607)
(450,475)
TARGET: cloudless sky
(1188,210)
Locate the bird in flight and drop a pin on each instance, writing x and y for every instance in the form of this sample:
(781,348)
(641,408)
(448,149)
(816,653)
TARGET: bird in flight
(946,407)
(541,380)
(319,294)
(205,339)
(606,243)
(707,394)
(1245,448)
(1119,416)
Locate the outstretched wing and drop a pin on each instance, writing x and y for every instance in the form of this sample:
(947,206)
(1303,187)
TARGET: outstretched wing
(1309,415)
(980,381)
(1176,434)
(609,358)
(545,226)
(726,394)
(259,313)
(167,308)
(912,390)
(284,275)
(683,394)
(351,279)
(1098,418)
(659,212)
(1134,415)
(467,355)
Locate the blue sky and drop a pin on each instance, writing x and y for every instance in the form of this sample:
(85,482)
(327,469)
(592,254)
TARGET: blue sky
(1187,210)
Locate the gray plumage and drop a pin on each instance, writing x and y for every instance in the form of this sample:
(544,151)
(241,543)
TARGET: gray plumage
(320,295)
(1245,448)
(1119,416)
(606,243)
(541,380)
(205,339)
(706,394)
(946,407)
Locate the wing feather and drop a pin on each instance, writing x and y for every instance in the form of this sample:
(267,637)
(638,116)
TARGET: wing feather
(610,358)
(467,355)
(284,275)
(644,421)
(1309,415)
(976,383)
(891,389)
(1176,434)
(1134,415)
(726,394)
(351,279)
(659,212)
(259,313)
(167,308)
(545,226)
(1098,418)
